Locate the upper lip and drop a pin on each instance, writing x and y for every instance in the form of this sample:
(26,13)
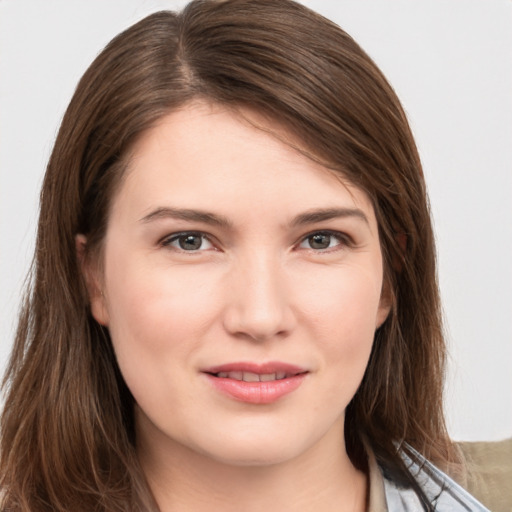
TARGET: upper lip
(258,368)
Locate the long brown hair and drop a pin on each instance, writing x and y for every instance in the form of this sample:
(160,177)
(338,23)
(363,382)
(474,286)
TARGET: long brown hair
(67,437)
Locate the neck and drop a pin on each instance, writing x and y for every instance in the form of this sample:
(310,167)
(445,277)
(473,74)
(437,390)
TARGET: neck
(321,479)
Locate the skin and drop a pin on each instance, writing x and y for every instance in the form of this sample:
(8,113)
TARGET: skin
(254,290)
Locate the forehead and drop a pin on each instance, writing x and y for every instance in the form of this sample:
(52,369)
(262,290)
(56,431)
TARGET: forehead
(207,152)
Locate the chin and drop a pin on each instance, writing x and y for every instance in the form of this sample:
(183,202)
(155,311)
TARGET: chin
(258,448)
(256,457)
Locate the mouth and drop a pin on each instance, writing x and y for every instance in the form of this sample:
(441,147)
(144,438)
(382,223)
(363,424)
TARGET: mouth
(256,383)
(253,377)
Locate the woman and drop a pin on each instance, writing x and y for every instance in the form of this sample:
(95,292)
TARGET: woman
(234,300)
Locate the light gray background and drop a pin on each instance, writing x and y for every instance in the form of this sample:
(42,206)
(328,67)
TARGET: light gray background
(451,64)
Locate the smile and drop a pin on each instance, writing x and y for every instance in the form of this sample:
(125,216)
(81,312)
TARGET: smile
(253,377)
(254,383)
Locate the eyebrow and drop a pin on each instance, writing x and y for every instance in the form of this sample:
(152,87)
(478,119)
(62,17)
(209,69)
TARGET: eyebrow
(187,215)
(323,214)
(308,217)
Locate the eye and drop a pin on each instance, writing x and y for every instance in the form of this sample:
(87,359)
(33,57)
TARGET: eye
(190,242)
(322,240)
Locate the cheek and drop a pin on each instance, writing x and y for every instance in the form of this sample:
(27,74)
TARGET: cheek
(342,309)
(158,317)
(344,300)
(159,303)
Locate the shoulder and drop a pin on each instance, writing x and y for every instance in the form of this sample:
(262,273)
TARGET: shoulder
(489,472)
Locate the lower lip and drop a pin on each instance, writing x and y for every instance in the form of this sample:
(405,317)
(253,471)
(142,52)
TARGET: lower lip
(256,392)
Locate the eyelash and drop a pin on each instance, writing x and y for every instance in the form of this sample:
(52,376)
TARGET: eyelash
(167,242)
(343,239)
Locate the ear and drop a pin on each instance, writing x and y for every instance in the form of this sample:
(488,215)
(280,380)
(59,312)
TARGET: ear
(93,281)
(385,304)
(387,298)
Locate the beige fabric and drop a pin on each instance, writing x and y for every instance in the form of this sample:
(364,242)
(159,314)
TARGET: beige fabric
(376,494)
(489,473)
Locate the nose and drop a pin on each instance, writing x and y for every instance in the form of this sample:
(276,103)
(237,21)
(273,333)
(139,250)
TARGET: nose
(258,304)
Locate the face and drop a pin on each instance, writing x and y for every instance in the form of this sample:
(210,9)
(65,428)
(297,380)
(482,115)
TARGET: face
(241,285)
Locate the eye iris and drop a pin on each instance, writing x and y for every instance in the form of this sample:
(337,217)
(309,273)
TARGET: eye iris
(319,241)
(190,242)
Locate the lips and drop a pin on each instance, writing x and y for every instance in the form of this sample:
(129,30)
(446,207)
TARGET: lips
(253,377)
(256,383)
